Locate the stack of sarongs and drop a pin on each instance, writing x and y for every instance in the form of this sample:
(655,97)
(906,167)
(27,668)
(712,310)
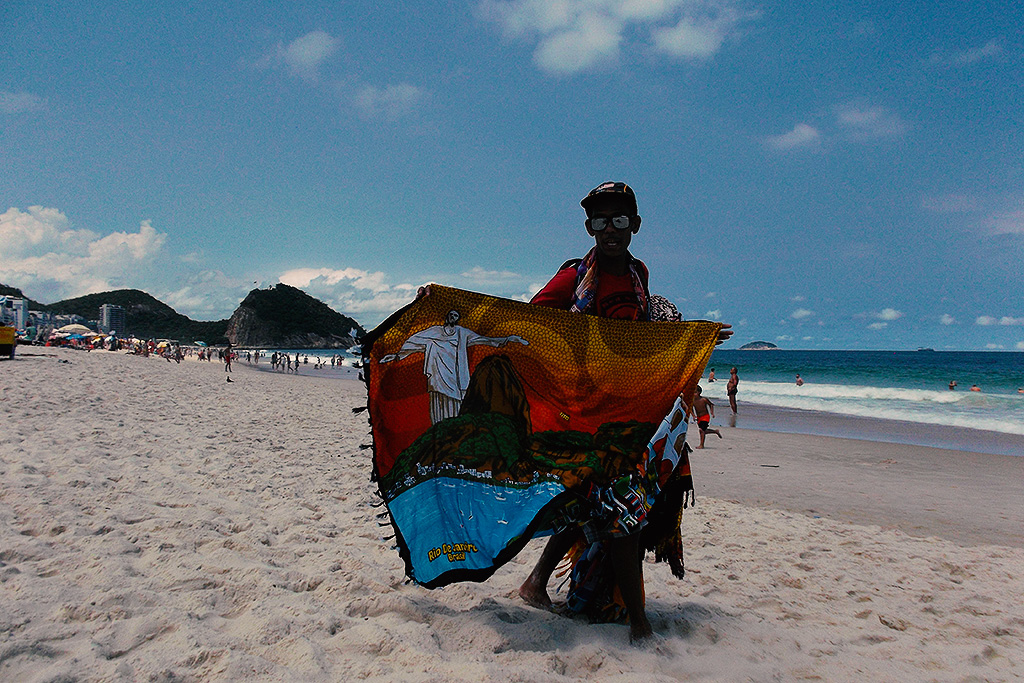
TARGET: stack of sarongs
(496,421)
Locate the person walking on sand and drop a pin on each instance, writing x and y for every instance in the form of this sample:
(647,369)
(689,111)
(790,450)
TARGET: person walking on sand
(731,388)
(227,358)
(703,411)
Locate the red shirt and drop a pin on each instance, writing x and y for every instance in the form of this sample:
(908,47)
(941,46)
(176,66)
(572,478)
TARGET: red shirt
(615,298)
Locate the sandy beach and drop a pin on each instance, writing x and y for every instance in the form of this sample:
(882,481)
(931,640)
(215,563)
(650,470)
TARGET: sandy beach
(158,523)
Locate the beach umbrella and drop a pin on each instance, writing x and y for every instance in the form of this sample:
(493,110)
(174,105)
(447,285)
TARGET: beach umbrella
(75,328)
(199,343)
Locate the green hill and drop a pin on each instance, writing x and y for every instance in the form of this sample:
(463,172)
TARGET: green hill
(282,316)
(145,316)
(287,317)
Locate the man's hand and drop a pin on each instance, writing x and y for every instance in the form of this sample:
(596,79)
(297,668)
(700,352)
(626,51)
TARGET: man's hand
(724,334)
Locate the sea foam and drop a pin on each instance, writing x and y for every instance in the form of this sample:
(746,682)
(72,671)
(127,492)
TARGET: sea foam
(974,410)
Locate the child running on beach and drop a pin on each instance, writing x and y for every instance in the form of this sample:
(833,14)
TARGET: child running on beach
(703,410)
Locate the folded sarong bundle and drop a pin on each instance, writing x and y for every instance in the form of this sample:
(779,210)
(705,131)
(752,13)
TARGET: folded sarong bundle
(495,421)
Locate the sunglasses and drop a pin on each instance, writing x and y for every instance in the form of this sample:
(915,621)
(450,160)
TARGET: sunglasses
(617,222)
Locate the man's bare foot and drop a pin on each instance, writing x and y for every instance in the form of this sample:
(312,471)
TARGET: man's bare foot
(700,446)
(534,595)
(640,633)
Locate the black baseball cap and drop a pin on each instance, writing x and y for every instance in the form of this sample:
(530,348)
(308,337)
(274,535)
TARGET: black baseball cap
(610,189)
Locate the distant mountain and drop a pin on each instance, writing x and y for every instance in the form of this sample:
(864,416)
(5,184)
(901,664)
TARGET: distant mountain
(286,317)
(282,317)
(758,346)
(6,290)
(145,316)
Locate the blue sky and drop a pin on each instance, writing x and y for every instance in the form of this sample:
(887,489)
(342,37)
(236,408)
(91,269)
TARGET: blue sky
(818,174)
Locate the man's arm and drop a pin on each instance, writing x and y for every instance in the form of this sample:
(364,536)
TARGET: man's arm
(559,291)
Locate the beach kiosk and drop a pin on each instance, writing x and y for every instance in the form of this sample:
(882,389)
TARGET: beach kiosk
(7,342)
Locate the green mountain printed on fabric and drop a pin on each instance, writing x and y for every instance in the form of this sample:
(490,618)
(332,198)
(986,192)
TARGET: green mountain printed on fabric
(489,447)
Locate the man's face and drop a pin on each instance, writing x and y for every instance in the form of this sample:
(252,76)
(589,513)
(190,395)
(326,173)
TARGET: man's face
(452,318)
(611,241)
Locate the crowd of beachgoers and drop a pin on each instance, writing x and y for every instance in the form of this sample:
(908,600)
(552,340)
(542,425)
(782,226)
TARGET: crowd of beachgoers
(170,350)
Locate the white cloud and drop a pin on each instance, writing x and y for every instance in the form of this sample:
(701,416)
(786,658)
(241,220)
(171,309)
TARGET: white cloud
(970,56)
(303,56)
(306,57)
(801,313)
(1010,222)
(391,102)
(713,315)
(15,103)
(208,295)
(40,252)
(947,319)
(1006,320)
(365,295)
(868,122)
(888,314)
(1020,345)
(878,326)
(592,40)
(802,135)
(783,337)
(576,35)
(697,37)
(798,298)
(994,347)
(951,203)
(479,275)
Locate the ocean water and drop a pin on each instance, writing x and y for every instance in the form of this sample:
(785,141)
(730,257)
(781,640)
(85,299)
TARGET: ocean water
(859,387)
(911,386)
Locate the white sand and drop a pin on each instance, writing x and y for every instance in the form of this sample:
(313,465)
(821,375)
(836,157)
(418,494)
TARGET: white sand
(158,523)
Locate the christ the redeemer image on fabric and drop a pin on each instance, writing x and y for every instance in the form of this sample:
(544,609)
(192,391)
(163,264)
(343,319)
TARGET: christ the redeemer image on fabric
(446,361)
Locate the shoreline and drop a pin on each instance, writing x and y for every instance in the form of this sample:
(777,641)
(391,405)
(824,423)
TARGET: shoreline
(758,417)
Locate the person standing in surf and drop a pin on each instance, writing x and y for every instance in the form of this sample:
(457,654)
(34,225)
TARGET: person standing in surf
(731,388)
